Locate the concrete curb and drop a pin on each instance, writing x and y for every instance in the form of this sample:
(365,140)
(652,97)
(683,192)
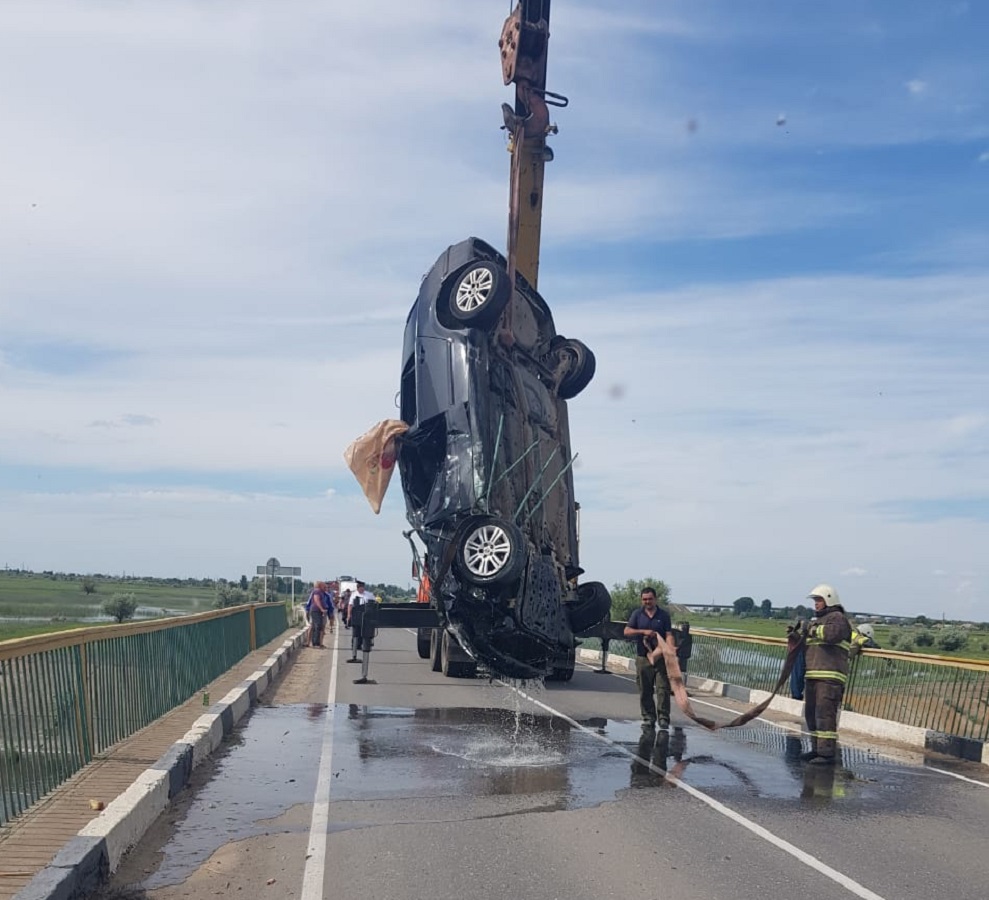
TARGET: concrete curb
(88,859)
(884,729)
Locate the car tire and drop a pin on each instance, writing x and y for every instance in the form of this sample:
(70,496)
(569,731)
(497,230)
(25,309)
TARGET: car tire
(479,294)
(423,642)
(435,646)
(579,366)
(593,605)
(491,551)
(453,668)
(562,670)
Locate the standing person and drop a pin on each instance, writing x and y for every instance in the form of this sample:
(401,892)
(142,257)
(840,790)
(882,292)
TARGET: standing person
(355,615)
(799,670)
(330,599)
(652,624)
(828,642)
(864,637)
(685,648)
(317,613)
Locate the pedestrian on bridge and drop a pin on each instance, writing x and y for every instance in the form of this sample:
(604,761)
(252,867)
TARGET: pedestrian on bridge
(828,641)
(360,637)
(648,625)
(317,612)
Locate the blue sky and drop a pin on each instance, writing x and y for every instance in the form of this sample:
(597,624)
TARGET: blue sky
(768,220)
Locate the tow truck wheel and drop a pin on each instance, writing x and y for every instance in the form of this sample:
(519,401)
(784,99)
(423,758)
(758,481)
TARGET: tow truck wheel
(479,294)
(579,365)
(563,669)
(491,551)
(423,642)
(449,667)
(434,649)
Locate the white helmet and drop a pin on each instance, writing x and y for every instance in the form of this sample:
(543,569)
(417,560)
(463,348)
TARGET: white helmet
(867,630)
(827,593)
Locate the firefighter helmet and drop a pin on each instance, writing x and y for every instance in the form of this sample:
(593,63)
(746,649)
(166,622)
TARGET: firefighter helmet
(867,630)
(827,593)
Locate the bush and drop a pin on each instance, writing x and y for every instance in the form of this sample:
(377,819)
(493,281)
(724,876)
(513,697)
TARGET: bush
(88,586)
(230,596)
(924,639)
(120,606)
(950,639)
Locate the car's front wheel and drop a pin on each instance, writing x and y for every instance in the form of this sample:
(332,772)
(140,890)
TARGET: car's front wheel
(479,294)
(491,551)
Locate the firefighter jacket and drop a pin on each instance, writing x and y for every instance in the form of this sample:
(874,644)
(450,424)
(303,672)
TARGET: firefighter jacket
(828,643)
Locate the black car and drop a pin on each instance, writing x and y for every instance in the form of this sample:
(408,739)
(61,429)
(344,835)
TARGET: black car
(486,465)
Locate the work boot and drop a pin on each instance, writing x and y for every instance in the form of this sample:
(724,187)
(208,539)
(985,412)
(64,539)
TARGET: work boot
(808,756)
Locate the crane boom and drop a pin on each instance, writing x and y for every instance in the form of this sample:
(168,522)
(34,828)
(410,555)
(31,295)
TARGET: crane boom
(523,44)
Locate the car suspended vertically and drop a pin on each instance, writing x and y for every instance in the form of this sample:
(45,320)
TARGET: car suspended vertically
(486,464)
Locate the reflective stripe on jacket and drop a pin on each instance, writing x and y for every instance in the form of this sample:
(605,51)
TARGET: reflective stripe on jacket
(828,643)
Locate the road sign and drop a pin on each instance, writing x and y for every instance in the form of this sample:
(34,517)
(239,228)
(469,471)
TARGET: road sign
(282,571)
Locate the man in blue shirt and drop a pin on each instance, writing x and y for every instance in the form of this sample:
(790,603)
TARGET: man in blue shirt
(648,625)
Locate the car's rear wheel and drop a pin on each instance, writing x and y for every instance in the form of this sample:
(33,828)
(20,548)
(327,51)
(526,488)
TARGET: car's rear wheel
(479,294)
(491,551)
(593,604)
(578,367)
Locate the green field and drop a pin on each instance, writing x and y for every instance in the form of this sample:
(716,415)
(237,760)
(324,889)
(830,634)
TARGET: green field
(61,601)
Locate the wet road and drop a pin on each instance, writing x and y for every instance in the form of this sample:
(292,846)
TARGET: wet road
(422,786)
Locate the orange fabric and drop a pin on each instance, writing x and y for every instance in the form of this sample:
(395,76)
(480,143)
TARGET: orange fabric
(422,595)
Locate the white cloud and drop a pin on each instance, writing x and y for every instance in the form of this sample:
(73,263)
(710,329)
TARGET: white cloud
(917,87)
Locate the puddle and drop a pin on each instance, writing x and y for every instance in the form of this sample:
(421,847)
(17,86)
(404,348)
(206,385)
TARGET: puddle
(271,763)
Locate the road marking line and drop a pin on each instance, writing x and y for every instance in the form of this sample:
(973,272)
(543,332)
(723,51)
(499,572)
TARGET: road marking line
(312,877)
(813,862)
(956,775)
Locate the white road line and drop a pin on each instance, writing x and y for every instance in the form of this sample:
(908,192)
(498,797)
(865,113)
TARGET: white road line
(959,777)
(813,862)
(312,877)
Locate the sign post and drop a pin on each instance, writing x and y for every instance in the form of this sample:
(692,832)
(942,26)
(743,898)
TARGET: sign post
(274,569)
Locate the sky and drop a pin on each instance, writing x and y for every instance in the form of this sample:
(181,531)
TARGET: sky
(768,220)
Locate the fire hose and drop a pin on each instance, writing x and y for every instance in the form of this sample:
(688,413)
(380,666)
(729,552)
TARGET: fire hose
(679,689)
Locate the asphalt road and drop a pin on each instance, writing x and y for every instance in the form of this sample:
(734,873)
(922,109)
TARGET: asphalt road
(419,786)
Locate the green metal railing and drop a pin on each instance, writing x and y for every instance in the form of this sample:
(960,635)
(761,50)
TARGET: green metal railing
(933,692)
(67,697)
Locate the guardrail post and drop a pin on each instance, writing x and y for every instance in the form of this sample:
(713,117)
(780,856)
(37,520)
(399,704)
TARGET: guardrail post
(254,631)
(84,709)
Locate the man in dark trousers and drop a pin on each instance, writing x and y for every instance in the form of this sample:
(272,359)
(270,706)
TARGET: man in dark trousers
(828,642)
(648,625)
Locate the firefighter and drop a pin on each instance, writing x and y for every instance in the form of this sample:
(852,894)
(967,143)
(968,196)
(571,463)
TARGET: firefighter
(828,640)
(864,636)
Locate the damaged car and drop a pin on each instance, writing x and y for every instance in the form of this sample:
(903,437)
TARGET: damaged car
(487,469)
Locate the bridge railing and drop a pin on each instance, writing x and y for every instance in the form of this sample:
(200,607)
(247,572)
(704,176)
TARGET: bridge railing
(934,692)
(68,696)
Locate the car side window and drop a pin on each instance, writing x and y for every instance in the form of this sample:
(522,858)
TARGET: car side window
(407,403)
